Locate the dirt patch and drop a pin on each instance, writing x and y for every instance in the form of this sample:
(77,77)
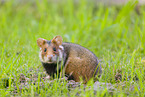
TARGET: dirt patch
(40,79)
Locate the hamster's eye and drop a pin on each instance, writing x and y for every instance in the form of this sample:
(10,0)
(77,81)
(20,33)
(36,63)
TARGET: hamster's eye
(54,49)
(45,50)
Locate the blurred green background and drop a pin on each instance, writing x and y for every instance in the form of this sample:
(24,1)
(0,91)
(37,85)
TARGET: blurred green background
(114,32)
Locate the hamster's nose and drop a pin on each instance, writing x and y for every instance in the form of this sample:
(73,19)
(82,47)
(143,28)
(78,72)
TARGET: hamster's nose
(50,57)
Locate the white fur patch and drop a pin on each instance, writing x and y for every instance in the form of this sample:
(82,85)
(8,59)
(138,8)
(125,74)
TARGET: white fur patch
(61,47)
(40,53)
(60,50)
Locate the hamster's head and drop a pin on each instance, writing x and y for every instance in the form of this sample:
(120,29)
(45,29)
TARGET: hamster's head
(50,51)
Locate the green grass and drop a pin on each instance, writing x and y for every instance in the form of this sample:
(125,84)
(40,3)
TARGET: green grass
(115,34)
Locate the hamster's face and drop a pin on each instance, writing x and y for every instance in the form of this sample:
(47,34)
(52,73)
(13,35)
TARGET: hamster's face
(50,51)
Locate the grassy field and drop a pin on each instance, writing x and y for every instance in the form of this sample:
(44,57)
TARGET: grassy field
(115,34)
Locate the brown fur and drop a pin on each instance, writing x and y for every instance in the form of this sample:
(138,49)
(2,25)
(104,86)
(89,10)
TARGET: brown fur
(81,62)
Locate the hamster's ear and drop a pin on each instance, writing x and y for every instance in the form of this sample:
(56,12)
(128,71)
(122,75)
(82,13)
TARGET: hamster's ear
(57,40)
(41,42)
